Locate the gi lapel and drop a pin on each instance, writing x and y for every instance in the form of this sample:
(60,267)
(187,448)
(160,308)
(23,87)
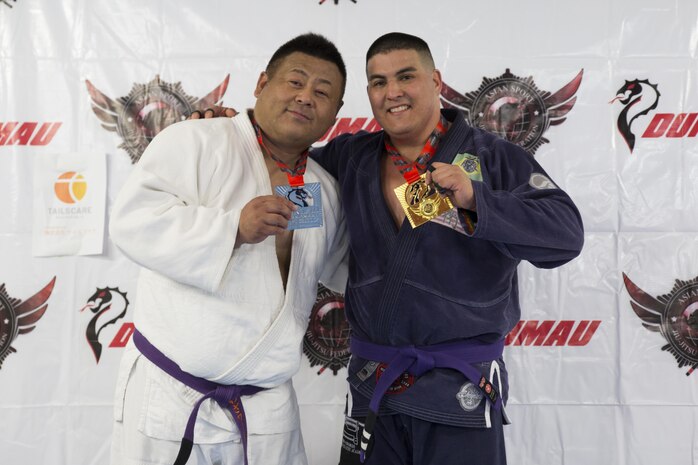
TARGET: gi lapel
(400,261)
(403,246)
(401,249)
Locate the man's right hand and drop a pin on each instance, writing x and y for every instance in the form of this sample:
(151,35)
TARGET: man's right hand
(262,217)
(213,112)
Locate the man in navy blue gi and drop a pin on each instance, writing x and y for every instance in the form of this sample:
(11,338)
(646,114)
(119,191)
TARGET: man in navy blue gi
(430,306)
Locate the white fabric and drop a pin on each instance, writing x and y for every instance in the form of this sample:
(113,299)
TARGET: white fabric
(219,313)
(131,447)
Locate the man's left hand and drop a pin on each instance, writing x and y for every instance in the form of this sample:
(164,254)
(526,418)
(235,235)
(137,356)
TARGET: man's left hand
(455,182)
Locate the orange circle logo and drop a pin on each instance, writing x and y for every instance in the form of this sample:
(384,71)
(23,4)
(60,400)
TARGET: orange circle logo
(70,187)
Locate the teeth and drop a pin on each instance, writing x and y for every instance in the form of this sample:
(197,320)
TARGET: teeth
(400,108)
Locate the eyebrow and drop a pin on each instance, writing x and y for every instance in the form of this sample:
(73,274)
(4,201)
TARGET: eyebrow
(305,74)
(409,69)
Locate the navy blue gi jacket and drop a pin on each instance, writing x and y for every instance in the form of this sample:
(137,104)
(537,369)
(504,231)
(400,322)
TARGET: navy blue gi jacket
(433,284)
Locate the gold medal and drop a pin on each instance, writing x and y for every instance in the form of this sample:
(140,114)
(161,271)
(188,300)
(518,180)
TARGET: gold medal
(421,201)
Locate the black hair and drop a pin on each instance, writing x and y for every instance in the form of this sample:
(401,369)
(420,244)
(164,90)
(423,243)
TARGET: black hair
(400,41)
(311,44)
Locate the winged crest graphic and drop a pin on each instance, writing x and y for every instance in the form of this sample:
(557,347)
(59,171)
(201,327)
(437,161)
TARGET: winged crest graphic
(148,109)
(20,317)
(673,315)
(514,108)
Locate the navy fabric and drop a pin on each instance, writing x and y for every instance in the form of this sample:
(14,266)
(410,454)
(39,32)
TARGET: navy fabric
(418,360)
(405,440)
(433,284)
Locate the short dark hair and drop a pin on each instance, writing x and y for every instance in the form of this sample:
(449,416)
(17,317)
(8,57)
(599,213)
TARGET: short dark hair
(399,41)
(311,44)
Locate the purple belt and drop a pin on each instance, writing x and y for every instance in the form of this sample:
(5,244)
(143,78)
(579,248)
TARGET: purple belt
(417,361)
(226,396)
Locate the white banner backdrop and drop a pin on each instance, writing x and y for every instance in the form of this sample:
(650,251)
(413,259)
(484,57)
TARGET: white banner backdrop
(601,364)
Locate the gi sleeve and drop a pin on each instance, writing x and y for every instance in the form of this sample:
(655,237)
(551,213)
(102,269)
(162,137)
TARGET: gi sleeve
(160,219)
(522,211)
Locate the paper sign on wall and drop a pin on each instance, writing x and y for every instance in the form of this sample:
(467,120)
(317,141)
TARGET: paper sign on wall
(69,204)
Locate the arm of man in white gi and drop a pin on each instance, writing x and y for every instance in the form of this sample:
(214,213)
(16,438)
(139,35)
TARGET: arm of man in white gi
(165,218)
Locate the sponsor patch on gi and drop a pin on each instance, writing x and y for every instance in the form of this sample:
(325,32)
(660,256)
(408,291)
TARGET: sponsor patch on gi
(469,397)
(541,181)
(470,164)
(367,370)
(401,384)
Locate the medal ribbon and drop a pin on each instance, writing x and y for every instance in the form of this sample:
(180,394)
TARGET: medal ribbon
(412,170)
(294,175)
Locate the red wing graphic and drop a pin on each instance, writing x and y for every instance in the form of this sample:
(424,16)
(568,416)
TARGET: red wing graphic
(645,306)
(214,97)
(451,98)
(31,310)
(106,109)
(561,102)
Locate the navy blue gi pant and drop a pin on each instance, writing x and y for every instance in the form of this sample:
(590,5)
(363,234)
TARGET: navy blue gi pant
(403,440)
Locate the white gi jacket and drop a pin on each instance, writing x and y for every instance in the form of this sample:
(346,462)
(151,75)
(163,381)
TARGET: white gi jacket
(220,313)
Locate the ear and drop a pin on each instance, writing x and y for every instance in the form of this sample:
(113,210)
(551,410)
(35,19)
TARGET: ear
(436,76)
(261,82)
(341,104)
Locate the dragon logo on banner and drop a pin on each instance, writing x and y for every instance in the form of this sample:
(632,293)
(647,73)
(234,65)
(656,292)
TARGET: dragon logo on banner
(147,110)
(638,98)
(108,305)
(673,315)
(326,340)
(514,108)
(17,317)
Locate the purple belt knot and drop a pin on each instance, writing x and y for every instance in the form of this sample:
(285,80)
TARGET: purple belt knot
(224,394)
(423,361)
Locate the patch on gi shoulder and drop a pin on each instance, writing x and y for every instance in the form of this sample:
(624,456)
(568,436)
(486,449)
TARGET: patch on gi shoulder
(469,397)
(366,370)
(541,181)
(401,384)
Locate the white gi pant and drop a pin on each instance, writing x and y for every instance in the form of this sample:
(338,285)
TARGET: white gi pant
(131,447)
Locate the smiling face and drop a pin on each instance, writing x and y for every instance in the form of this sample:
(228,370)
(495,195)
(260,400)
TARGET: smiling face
(298,102)
(404,93)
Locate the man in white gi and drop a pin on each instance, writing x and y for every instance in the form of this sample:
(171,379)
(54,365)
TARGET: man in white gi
(230,269)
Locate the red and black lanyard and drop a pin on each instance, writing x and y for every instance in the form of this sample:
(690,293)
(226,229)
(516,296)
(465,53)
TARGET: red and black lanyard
(411,171)
(295,174)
